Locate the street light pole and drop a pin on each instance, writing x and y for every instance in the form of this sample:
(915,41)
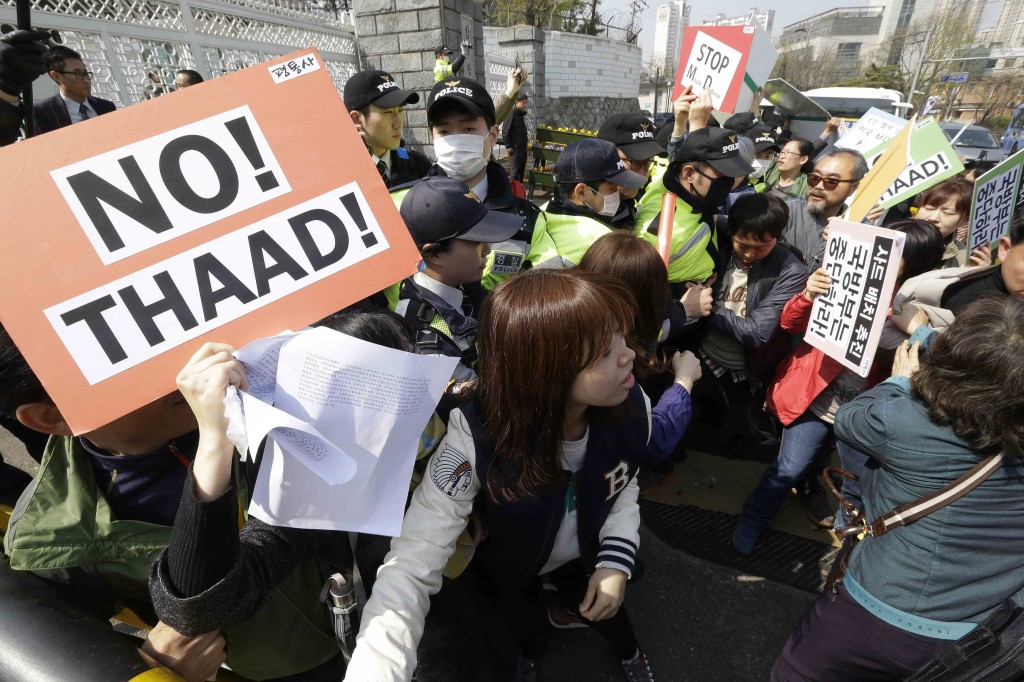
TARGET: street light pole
(920,65)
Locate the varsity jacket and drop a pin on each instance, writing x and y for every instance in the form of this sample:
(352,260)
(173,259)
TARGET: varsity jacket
(521,533)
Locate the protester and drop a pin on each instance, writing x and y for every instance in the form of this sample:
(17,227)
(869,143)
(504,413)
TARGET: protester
(910,593)
(74,103)
(463,124)
(101,510)
(453,232)
(588,175)
(701,176)
(788,179)
(517,138)
(659,318)
(809,387)
(377,107)
(948,207)
(743,342)
(836,177)
(555,396)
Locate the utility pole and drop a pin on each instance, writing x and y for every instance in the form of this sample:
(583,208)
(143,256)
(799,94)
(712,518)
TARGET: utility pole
(920,65)
(635,7)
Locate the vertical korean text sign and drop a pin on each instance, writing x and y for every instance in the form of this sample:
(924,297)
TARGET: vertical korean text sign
(734,62)
(998,201)
(228,211)
(862,262)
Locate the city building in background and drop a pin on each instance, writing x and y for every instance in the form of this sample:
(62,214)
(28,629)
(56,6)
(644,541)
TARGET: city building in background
(763,17)
(672,18)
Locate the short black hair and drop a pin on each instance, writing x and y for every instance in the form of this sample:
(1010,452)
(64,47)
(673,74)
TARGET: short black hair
(56,55)
(194,77)
(381,327)
(18,383)
(1016,233)
(760,215)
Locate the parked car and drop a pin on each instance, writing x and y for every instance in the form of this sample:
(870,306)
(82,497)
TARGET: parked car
(977,147)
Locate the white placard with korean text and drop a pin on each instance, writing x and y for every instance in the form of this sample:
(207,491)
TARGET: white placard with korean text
(863,262)
(998,200)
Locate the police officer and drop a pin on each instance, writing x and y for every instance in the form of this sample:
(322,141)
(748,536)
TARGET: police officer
(700,175)
(588,175)
(633,136)
(377,107)
(442,68)
(766,146)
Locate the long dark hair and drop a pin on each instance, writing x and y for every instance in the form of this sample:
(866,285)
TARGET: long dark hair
(922,250)
(636,263)
(973,378)
(538,331)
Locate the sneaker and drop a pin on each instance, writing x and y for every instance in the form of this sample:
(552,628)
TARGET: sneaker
(653,475)
(818,510)
(563,619)
(526,670)
(639,668)
(745,537)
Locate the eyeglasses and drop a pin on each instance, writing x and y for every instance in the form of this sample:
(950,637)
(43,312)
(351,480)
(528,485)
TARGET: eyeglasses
(80,75)
(828,183)
(786,152)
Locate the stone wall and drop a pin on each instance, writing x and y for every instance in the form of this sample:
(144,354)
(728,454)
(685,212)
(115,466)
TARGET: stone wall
(586,112)
(575,80)
(399,36)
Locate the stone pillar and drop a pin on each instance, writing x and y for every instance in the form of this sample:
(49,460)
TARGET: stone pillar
(399,36)
(527,43)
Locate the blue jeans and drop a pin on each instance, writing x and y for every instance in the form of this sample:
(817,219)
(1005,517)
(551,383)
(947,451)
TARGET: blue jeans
(805,441)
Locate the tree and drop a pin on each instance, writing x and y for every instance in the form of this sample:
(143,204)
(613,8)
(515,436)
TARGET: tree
(888,76)
(995,94)
(952,36)
(571,16)
(808,67)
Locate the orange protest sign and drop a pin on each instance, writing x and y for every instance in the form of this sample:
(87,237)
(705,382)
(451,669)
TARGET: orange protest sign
(227,211)
(881,176)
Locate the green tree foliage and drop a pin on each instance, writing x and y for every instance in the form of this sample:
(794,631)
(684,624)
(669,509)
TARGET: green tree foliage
(889,76)
(571,16)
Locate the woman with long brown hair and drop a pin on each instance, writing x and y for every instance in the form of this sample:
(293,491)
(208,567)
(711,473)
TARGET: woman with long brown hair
(547,443)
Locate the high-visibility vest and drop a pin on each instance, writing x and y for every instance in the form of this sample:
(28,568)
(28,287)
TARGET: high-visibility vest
(563,239)
(442,70)
(689,260)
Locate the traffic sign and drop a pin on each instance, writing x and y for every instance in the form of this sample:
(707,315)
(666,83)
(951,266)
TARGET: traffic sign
(954,78)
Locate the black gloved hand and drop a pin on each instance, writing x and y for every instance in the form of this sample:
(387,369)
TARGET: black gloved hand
(21,59)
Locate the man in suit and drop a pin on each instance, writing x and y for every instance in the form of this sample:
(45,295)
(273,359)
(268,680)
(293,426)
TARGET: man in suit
(74,103)
(516,138)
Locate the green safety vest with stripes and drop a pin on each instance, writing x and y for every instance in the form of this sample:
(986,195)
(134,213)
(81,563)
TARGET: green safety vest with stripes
(689,260)
(563,238)
(442,70)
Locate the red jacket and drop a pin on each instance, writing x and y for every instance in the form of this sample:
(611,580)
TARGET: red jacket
(806,372)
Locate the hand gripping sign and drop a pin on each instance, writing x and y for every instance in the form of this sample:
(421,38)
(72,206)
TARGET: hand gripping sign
(227,212)
(863,262)
(732,61)
(998,201)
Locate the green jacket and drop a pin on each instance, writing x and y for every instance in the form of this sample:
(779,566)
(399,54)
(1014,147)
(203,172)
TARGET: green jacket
(63,529)
(689,260)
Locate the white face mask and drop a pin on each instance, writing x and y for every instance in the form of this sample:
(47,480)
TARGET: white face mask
(760,168)
(461,156)
(610,203)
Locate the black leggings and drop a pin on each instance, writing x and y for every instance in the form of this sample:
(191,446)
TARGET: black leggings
(525,612)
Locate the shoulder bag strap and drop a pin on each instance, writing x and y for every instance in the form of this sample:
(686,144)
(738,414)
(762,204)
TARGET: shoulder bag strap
(908,513)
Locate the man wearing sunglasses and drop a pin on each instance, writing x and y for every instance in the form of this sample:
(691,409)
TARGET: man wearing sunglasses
(835,178)
(74,103)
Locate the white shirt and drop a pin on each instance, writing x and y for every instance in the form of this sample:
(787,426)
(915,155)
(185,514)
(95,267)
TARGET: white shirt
(75,109)
(567,542)
(481,188)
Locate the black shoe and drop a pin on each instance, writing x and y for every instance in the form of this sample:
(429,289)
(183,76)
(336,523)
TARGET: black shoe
(526,670)
(638,669)
(818,509)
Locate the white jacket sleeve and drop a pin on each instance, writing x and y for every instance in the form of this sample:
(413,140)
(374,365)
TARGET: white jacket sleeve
(620,534)
(392,622)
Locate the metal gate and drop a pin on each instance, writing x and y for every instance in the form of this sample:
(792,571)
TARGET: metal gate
(134,48)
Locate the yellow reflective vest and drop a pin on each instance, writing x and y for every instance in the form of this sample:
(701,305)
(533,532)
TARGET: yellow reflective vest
(563,238)
(442,69)
(689,260)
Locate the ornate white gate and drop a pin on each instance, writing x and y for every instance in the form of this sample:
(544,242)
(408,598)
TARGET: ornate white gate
(134,47)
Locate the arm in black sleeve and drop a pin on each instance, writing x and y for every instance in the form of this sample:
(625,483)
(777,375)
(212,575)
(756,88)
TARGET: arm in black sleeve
(457,64)
(10,122)
(211,575)
(819,145)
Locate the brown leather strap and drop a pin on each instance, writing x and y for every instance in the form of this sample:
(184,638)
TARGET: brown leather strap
(908,513)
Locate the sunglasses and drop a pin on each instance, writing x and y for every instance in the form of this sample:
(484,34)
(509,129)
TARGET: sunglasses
(828,183)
